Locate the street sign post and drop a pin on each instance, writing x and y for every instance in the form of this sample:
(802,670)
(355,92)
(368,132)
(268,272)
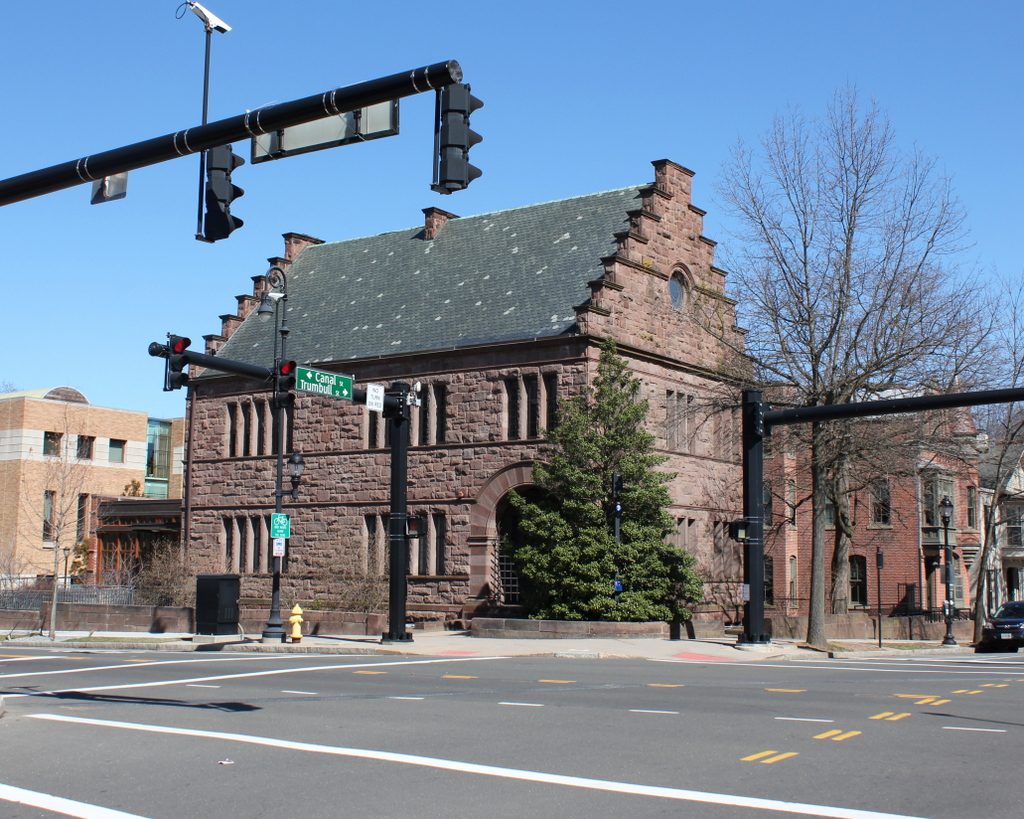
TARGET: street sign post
(280,525)
(323,383)
(278,547)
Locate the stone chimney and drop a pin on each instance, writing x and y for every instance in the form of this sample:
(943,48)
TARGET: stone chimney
(295,243)
(434,220)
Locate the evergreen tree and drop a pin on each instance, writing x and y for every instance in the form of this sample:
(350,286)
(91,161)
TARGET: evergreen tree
(569,560)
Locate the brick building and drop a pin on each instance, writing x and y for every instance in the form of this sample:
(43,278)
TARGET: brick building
(499,316)
(893,511)
(59,457)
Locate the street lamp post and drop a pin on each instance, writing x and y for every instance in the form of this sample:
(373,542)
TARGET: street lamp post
(946,513)
(274,302)
(67,554)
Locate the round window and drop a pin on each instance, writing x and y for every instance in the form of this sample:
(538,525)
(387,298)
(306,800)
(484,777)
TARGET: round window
(677,291)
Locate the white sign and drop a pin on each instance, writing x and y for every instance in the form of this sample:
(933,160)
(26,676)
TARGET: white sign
(746,592)
(375,397)
(278,547)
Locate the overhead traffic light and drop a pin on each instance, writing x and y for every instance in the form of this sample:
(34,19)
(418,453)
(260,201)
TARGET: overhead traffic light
(220,193)
(453,138)
(284,383)
(174,378)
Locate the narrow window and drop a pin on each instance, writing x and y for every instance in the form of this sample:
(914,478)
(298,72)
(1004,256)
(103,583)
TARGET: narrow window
(881,502)
(440,413)
(858,580)
(440,535)
(260,408)
(512,408)
(769,581)
(372,544)
(84,451)
(423,552)
(229,544)
(532,389)
(82,526)
(792,579)
(830,512)
(232,430)
(115,454)
(791,502)
(423,432)
(972,507)
(372,429)
(51,443)
(49,515)
(766,499)
(550,400)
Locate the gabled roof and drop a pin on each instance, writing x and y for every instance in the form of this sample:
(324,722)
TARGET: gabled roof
(504,276)
(989,465)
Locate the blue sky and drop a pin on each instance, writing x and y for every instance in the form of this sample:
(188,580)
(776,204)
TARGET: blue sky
(579,97)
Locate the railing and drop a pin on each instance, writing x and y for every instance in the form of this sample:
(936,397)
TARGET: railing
(37,598)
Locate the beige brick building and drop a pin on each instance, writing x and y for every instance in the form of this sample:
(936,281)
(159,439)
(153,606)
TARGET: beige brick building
(58,456)
(499,316)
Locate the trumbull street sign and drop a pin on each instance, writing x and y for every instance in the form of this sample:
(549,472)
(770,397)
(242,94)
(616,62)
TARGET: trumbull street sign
(323,383)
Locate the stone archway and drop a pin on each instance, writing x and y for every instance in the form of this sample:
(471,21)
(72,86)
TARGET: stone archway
(483,540)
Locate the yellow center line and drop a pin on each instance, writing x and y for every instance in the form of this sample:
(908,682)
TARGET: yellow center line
(778,758)
(975,691)
(999,685)
(941,702)
(926,700)
(459,677)
(828,734)
(960,691)
(912,696)
(847,735)
(895,717)
(787,690)
(665,685)
(557,682)
(755,757)
(370,672)
(883,715)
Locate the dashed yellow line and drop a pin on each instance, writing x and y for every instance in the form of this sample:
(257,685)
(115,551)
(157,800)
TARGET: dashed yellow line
(836,735)
(912,696)
(891,716)
(459,677)
(769,757)
(993,685)
(665,685)
(942,702)
(787,690)
(370,672)
(557,682)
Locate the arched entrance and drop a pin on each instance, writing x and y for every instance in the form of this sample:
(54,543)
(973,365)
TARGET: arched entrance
(484,536)
(508,587)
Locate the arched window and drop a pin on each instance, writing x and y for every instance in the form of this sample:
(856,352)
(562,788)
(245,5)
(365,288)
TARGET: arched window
(678,290)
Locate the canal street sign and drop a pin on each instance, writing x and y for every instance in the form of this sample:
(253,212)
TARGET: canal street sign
(318,381)
(280,525)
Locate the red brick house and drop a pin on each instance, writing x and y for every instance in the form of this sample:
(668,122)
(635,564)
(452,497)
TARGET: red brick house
(499,316)
(896,514)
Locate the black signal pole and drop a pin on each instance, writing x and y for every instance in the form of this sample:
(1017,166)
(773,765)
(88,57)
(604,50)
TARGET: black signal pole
(396,412)
(753,514)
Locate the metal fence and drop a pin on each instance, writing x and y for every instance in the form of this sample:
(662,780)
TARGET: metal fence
(36,598)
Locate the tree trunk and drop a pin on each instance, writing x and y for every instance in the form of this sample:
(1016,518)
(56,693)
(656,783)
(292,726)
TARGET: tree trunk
(53,599)
(816,608)
(843,537)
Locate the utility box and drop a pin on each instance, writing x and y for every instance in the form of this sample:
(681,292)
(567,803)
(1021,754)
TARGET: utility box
(217,597)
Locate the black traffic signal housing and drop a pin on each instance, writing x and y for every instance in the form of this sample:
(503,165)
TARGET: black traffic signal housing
(284,383)
(220,193)
(174,378)
(416,527)
(453,138)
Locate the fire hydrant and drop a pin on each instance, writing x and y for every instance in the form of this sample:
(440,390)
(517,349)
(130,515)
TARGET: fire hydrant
(296,622)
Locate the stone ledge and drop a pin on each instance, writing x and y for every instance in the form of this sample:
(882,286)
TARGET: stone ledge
(562,629)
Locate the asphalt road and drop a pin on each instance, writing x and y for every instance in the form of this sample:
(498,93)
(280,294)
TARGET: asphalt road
(161,734)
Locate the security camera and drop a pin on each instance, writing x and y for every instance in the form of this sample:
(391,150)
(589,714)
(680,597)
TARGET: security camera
(210,20)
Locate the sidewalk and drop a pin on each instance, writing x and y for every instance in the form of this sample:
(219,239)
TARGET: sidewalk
(460,644)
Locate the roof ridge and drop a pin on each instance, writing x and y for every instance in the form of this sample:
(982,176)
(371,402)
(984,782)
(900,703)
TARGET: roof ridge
(486,214)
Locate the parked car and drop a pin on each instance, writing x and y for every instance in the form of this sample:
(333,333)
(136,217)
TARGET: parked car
(1005,630)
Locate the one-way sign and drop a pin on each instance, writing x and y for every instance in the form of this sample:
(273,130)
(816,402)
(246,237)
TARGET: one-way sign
(323,383)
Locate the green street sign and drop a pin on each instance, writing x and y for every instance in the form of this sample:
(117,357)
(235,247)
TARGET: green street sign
(322,383)
(280,525)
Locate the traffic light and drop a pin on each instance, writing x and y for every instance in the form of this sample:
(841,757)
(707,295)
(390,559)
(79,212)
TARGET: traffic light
(453,138)
(220,193)
(174,378)
(284,383)
(416,527)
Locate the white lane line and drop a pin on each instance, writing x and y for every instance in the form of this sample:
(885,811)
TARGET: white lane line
(306,693)
(832,667)
(649,711)
(27,659)
(157,662)
(803,719)
(406,698)
(202,685)
(605,785)
(980,730)
(248,674)
(58,804)
(524,704)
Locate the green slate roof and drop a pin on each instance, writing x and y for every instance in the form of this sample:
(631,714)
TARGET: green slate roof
(504,276)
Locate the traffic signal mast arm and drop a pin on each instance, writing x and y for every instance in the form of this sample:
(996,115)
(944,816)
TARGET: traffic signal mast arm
(226,131)
(214,362)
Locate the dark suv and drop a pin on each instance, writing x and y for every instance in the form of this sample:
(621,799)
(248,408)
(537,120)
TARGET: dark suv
(1005,630)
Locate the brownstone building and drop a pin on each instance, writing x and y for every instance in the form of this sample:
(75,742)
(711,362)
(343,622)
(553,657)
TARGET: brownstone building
(499,317)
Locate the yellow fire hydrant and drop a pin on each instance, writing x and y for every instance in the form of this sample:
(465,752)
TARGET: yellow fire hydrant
(296,621)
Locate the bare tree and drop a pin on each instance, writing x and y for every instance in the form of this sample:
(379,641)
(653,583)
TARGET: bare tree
(52,498)
(841,278)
